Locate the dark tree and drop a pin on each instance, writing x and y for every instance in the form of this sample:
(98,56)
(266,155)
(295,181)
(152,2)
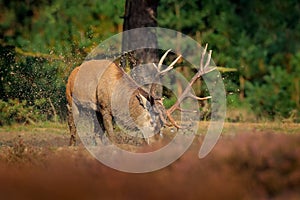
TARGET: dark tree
(139,14)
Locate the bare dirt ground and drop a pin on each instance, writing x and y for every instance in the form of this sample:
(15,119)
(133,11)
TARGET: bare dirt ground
(250,161)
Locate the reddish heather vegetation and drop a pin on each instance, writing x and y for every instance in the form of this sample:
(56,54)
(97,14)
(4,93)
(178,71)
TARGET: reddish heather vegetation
(250,165)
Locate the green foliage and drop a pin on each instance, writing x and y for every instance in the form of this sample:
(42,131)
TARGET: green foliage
(251,36)
(42,41)
(32,79)
(273,97)
(21,111)
(168,102)
(233,100)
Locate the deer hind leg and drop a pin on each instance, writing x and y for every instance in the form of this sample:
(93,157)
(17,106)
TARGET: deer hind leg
(72,127)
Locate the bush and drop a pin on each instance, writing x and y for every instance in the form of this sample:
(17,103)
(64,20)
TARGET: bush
(274,96)
(14,111)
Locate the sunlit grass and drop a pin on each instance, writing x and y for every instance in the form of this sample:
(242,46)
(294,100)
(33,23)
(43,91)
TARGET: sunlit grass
(228,128)
(47,126)
(246,127)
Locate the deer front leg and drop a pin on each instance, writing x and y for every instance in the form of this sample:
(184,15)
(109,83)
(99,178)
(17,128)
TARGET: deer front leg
(108,126)
(98,124)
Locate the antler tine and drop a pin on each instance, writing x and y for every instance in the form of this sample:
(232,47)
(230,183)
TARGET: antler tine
(170,66)
(172,121)
(162,60)
(199,98)
(208,59)
(202,57)
(161,73)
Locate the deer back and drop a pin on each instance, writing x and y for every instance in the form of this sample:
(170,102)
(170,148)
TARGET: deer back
(86,81)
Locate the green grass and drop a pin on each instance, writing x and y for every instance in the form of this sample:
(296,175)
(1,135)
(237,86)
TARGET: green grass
(47,126)
(246,127)
(229,128)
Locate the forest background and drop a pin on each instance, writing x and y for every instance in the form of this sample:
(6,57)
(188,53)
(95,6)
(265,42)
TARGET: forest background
(42,41)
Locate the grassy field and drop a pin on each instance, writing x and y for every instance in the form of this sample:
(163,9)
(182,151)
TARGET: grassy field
(250,161)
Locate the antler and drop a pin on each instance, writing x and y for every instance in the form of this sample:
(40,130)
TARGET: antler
(161,73)
(203,69)
(158,75)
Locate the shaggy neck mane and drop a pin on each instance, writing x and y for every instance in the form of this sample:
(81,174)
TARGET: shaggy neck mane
(133,84)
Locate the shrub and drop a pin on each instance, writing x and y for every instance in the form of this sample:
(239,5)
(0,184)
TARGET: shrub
(21,112)
(274,95)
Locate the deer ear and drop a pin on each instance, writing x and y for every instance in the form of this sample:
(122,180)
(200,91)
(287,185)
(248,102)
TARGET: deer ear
(143,101)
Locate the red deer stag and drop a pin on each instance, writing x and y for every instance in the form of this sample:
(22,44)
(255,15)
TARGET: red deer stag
(96,84)
(145,109)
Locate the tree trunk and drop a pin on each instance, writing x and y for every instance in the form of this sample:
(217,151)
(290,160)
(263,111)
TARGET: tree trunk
(139,14)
